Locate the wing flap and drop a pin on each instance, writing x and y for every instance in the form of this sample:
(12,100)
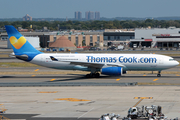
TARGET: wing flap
(97,65)
(90,65)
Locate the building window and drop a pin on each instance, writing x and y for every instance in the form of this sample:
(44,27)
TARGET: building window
(98,38)
(69,38)
(84,41)
(77,41)
(91,39)
(124,38)
(84,37)
(105,37)
(109,38)
(54,38)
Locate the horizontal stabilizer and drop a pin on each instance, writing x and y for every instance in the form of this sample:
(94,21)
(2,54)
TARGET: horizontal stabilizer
(22,57)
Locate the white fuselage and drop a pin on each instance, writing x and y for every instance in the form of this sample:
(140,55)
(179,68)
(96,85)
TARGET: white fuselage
(134,62)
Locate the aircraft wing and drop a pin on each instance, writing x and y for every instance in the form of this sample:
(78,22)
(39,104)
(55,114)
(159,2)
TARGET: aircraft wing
(88,64)
(96,65)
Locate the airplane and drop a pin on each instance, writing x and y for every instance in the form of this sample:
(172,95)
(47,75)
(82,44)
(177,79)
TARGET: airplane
(107,64)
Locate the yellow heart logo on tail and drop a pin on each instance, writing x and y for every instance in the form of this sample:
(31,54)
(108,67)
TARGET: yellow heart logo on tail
(17,43)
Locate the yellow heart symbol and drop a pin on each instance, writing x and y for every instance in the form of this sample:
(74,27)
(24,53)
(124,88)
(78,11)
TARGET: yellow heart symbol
(17,43)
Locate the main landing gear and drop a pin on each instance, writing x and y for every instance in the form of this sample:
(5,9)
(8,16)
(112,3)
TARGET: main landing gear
(159,74)
(93,75)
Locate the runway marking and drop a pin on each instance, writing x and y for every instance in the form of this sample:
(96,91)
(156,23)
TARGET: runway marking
(177,75)
(48,92)
(85,113)
(137,102)
(52,79)
(155,79)
(36,70)
(33,75)
(71,99)
(144,75)
(141,98)
(117,79)
(3,108)
(3,118)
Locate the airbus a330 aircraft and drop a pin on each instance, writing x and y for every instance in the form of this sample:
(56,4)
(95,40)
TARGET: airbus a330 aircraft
(108,64)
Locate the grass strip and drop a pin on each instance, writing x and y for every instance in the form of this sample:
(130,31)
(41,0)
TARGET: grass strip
(154,72)
(4,56)
(158,84)
(43,73)
(16,64)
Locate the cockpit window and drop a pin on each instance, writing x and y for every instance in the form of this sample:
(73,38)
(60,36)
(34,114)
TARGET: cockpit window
(171,60)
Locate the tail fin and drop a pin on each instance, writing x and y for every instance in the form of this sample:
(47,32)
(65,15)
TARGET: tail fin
(19,44)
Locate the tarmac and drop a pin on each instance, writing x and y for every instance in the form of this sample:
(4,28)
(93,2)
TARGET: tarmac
(87,101)
(42,76)
(72,96)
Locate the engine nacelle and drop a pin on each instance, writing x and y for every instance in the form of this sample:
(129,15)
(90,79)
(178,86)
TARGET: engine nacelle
(112,71)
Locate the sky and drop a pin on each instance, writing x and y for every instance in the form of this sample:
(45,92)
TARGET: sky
(107,8)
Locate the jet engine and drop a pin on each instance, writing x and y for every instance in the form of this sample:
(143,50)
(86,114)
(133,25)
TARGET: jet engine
(112,71)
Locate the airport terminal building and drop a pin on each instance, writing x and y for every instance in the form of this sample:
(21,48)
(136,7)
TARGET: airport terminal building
(42,39)
(157,38)
(118,38)
(141,38)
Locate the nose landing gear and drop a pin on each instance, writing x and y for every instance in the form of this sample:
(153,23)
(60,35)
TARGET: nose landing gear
(159,74)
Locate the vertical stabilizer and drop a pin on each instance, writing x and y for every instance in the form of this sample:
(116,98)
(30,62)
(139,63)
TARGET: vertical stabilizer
(19,44)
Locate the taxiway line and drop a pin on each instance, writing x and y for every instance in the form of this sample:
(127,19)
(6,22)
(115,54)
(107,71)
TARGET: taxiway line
(137,102)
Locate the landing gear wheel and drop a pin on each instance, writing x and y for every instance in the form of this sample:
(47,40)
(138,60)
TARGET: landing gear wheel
(97,75)
(88,76)
(158,75)
(93,75)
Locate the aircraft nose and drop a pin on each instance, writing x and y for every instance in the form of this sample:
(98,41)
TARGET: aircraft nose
(177,63)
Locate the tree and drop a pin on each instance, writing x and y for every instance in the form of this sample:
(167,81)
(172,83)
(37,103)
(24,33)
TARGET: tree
(93,25)
(25,24)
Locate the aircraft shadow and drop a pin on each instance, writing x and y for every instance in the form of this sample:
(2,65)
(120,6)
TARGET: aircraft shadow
(75,77)
(51,76)
(83,76)
(110,77)
(149,77)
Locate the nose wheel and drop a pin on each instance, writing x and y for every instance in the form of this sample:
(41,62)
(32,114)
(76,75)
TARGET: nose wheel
(159,74)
